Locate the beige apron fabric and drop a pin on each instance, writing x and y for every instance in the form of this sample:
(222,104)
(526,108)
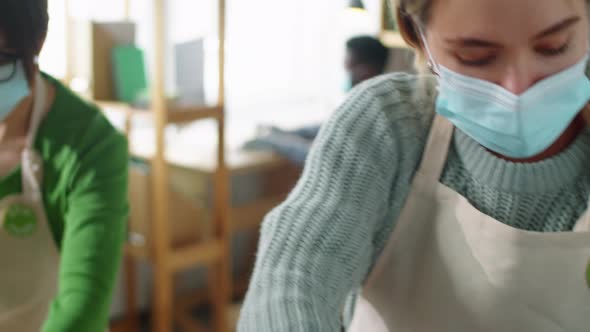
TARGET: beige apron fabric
(449,268)
(28,281)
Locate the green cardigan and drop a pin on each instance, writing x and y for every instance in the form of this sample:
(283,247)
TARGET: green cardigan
(85,195)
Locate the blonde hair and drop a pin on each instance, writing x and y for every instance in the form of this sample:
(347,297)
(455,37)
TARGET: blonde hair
(409,14)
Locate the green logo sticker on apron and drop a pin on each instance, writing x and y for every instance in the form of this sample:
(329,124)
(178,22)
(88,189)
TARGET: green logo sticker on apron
(20,220)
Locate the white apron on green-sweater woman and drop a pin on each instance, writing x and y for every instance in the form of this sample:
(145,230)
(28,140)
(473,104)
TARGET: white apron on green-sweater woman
(62,212)
(28,254)
(62,218)
(27,248)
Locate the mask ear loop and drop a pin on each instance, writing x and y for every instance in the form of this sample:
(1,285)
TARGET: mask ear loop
(431,63)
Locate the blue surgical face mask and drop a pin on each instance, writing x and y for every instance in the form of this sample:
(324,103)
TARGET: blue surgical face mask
(13,91)
(516,126)
(347,84)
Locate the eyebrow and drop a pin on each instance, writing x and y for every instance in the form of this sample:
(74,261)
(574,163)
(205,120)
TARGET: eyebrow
(480,43)
(568,22)
(473,42)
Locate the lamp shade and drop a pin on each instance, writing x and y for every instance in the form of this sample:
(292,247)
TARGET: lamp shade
(356,4)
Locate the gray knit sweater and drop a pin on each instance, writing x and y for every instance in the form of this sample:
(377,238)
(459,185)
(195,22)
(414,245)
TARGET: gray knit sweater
(318,246)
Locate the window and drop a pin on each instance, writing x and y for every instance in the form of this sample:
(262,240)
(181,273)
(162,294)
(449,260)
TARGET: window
(53,56)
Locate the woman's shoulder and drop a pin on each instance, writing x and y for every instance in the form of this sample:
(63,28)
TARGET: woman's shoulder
(398,106)
(383,124)
(75,129)
(75,121)
(402,94)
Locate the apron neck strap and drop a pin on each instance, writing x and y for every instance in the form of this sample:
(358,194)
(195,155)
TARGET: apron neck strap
(38,110)
(437,147)
(30,164)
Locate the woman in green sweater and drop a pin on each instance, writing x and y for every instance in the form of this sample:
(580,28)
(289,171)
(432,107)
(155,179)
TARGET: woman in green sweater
(452,202)
(63,185)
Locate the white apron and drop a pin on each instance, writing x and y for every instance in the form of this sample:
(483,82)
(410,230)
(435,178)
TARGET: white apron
(449,268)
(29,258)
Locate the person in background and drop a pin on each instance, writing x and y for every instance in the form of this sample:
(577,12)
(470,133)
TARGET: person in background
(366,57)
(63,190)
(450,201)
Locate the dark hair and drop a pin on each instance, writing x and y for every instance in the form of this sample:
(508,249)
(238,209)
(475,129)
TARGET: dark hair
(24,26)
(368,50)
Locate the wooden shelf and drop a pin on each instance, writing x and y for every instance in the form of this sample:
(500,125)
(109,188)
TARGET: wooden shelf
(137,251)
(189,114)
(249,216)
(204,253)
(182,257)
(236,161)
(175,114)
(393,39)
(184,315)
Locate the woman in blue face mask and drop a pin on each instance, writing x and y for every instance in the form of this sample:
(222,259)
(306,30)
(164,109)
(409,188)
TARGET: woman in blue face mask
(63,176)
(455,200)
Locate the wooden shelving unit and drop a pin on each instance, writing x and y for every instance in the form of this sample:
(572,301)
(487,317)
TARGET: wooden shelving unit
(178,234)
(214,252)
(175,114)
(392,39)
(167,257)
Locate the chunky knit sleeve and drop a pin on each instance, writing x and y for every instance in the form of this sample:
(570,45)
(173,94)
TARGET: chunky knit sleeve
(319,244)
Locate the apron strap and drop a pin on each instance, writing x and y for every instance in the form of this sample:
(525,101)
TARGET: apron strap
(31,165)
(38,110)
(437,148)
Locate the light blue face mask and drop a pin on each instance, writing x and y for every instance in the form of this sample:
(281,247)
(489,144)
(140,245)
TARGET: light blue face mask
(516,126)
(347,84)
(14,90)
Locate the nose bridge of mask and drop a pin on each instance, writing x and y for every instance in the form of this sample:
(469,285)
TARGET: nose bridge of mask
(477,106)
(478,87)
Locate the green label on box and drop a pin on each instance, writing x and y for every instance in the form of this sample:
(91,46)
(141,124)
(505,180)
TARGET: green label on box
(20,220)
